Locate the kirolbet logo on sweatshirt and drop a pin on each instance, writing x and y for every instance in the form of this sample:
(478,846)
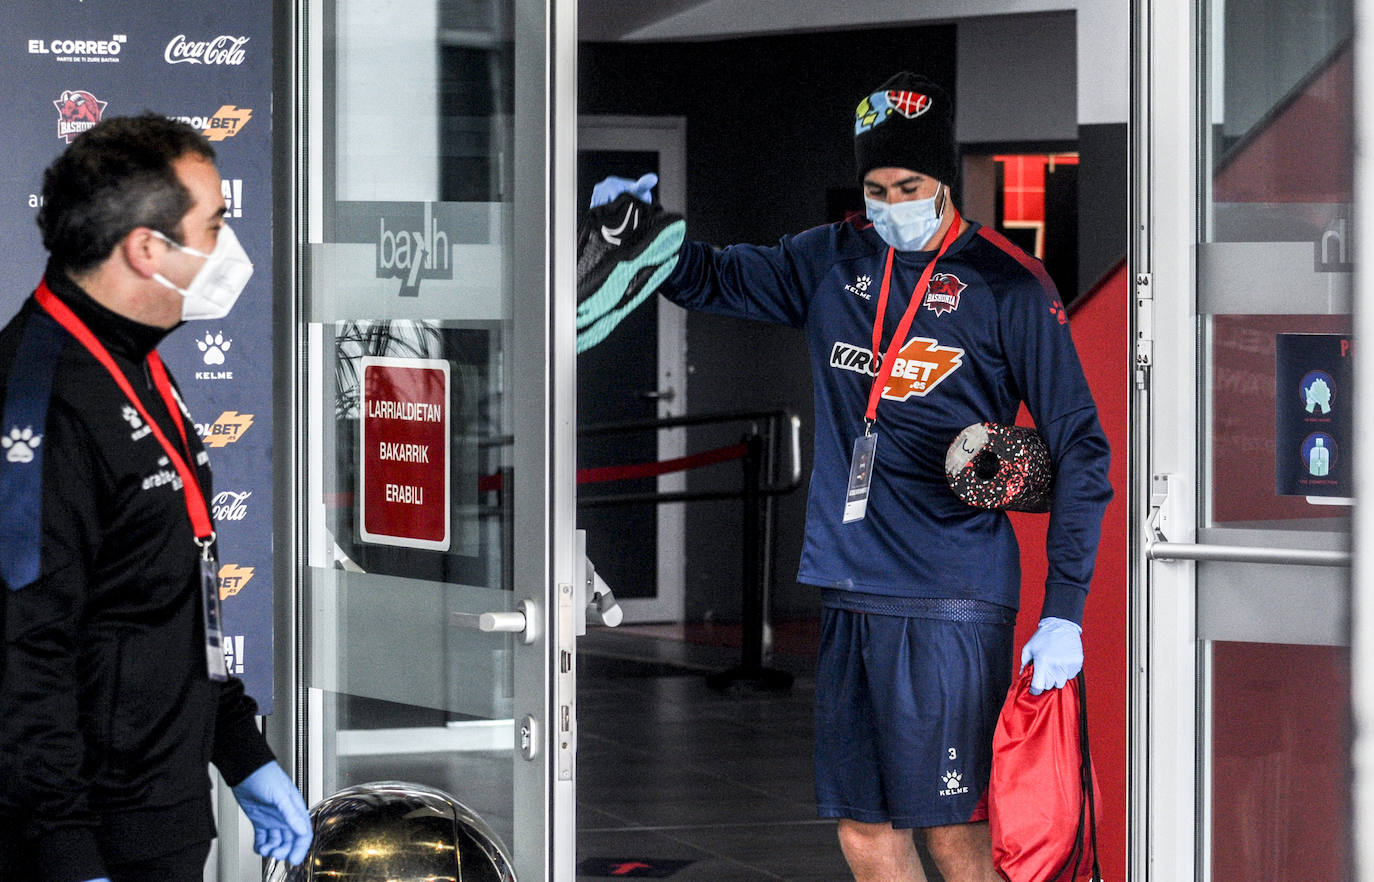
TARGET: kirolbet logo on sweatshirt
(920,366)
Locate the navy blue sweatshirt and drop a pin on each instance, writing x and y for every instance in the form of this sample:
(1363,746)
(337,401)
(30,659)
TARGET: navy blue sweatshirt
(991,333)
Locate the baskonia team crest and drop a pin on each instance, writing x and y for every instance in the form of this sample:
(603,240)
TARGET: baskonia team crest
(77,111)
(943,294)
(876,108)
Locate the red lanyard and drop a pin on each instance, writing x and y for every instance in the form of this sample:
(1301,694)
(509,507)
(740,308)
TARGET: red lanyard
(195,499)
(899,338)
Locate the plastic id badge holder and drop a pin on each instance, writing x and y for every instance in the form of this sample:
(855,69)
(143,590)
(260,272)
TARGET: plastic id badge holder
(210,608)
(860,478)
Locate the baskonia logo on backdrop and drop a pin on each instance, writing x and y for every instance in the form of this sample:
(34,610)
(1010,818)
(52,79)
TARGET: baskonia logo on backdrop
(77,111)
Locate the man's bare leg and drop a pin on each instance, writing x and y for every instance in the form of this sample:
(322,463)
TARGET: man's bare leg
(963,852)
(878,853)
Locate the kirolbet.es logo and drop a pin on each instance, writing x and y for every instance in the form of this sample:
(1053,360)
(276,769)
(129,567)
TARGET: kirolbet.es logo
(920,366)
(224,123)
(77,111)
(233,579)
(226,430)
(413,255)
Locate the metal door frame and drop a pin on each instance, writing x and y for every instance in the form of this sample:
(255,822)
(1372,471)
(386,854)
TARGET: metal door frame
(1362,527)
(1170,740)
(1164,726)
(666,136)
(545,494)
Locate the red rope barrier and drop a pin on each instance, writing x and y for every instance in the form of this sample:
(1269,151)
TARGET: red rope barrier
(638,470)
(667,466)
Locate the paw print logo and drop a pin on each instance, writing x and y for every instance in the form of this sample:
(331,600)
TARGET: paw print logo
(952,780)
(214,346)
(131,417)
(1059,312)
(862,282)
(18,446)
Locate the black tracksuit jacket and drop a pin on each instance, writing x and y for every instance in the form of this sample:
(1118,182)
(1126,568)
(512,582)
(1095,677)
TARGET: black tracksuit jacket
(107,716)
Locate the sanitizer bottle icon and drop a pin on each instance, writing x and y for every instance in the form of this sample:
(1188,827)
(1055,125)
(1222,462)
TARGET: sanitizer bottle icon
(1318,459)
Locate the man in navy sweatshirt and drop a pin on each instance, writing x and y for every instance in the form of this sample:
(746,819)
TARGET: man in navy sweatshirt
(919,323)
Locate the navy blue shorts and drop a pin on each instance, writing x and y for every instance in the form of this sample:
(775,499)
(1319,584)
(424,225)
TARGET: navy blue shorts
(905,711)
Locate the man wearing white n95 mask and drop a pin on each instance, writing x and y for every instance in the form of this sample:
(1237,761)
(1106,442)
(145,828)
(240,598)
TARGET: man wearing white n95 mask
(113,692)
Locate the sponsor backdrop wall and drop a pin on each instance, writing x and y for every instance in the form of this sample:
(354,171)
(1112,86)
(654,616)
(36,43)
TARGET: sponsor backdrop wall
(66,64)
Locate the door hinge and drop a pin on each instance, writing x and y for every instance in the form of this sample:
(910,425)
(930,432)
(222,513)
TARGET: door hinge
(1144,329)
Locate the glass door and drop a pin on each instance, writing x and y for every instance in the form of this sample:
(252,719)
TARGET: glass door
(436,428)
(1243,265)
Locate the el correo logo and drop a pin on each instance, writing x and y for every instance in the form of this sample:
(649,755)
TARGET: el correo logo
(76,50)
(224,49)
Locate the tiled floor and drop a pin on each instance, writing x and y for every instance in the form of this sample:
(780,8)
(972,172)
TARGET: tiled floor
(672,770)
(669,770)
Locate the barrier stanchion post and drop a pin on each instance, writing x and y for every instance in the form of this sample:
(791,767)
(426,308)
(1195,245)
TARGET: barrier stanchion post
(751,608)
(751,671)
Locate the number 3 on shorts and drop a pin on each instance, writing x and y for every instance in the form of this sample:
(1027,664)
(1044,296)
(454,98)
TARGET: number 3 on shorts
(953,754)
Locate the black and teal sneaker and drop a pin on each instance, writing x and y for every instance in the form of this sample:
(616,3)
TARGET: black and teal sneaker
(625,250)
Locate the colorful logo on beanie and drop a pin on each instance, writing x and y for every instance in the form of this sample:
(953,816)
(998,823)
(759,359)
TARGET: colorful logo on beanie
(943,294)
(77,111)
(876,108)
(921,366)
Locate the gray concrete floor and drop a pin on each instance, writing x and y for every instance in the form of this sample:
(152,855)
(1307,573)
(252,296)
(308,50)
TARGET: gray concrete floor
(672,770)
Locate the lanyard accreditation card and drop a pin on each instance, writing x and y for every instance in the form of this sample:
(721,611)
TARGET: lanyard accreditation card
(866,445)
(196,508)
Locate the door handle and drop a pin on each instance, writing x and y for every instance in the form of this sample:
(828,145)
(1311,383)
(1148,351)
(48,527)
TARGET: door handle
(522,621)
(664,395)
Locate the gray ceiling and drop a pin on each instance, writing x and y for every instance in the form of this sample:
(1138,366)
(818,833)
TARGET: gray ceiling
(601,20)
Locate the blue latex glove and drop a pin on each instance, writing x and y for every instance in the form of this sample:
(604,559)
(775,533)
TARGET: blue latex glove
(1056,651)
(606,190)
(281,823)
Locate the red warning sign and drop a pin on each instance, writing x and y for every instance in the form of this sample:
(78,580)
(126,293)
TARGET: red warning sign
(404,469)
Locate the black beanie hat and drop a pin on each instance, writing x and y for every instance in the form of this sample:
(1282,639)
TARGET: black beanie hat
(907,122)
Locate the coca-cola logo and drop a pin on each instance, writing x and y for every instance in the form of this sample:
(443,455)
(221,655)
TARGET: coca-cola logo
(223,49)
(231,506)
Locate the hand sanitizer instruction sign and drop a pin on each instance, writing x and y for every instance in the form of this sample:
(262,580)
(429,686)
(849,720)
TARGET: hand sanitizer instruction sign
(1313,414)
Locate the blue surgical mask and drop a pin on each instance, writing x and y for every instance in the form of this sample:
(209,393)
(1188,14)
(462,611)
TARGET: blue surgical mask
(906,226)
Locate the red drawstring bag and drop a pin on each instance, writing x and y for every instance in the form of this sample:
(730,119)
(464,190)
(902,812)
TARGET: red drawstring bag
(1042,799)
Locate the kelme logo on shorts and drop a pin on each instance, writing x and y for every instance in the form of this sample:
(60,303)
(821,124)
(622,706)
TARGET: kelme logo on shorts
(954,783)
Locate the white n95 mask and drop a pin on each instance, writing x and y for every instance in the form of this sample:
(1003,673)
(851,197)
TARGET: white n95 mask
(906,226)
(218,283)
